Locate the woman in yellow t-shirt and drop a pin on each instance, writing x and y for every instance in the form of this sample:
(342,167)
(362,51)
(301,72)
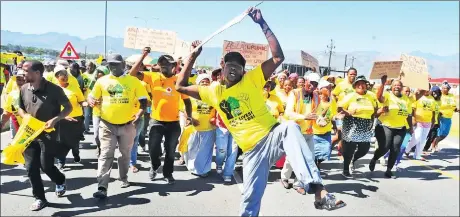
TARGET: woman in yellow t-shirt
(359,108)
(322,127)
(424,114)
(300,83)
(394,123)
(283,94)
(446,111)
(274,103)
(436,96)
(198,157)
(71,128)
(11,105)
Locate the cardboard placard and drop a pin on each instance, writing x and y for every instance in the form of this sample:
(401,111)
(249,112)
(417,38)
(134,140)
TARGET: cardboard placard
(414,72)
(309,61)
(390,68)
(255,54)
(182,48)
(158,40)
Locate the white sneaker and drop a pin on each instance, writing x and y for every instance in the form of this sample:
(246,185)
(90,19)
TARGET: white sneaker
(227,179)
(383,162)
(219,170)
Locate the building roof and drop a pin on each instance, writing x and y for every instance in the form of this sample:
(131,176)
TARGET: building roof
(450,80)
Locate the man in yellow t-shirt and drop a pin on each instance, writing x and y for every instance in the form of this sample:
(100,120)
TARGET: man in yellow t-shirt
(165,115)
(241,105)
(119,94)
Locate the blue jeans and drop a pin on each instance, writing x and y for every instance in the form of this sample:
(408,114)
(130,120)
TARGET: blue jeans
(285,138)
(226,150)
(88,111)
(139,128)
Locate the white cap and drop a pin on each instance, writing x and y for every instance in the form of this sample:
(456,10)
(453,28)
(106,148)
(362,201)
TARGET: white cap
(63,63)
(281,74)
(201,77)
(59,68)
(313,77)
(323,83)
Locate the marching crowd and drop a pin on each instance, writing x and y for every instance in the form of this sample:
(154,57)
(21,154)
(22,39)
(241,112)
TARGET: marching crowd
(266,116)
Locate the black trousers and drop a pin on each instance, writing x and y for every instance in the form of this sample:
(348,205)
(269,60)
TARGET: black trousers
(144,131)
(431,136)
(69,138)
(353,151)
(389,139)
(40,154)
(171,132)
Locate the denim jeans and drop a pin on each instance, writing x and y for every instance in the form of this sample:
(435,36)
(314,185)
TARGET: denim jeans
(226,150)
(139,128)
(88,111)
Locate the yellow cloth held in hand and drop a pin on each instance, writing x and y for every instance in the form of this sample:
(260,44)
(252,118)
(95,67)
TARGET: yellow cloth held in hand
(183,141)
(27,132)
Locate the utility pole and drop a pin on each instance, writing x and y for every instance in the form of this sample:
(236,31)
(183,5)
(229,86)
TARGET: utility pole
(345,65)
(331,47)
(85,52)
(352,60)
(105,32)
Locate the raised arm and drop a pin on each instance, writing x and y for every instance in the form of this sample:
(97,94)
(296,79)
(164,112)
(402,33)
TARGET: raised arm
(137,65)
(182,78)
(270,65)
(380,97)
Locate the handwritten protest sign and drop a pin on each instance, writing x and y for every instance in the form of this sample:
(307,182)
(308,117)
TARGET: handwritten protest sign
(390,68)
(255,54)
(182,48)
(308,60)
(414,72)
(158,40)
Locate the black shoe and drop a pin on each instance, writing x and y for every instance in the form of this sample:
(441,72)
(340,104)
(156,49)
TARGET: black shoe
(76,159)
(388,174)
(101,193)
(87,132)
(170,180)
(372,165)
(347,174)
(152,174)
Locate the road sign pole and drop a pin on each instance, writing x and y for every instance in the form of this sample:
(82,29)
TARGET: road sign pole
(105,32)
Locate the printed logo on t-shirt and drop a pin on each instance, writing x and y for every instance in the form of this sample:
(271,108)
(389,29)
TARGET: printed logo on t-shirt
(116,94)
(402,109)
(203,108)
(237,110)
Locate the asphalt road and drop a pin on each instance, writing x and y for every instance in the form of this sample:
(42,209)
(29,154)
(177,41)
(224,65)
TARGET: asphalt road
(420,188)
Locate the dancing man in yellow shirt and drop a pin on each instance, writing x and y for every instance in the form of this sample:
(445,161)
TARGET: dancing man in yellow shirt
(241,104)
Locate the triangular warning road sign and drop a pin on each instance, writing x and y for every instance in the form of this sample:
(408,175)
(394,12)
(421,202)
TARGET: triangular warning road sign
(69,52)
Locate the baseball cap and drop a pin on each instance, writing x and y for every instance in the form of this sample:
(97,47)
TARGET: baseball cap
(360,78)
(323,83)
(20,73)
(202,77)
(435,88)
(114,58)
(313,77)
(59,68)
(235,56)
(167,58)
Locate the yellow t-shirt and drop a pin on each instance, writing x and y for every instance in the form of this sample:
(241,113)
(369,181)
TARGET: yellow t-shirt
(12,104)
(75,96)
(275,105)
(10,86)
(298,106)
(331,108)
(424,108)
(242,108)
(87,79)
(398,110)
(362,106)
(165,99)
(282,95)
(73,82)
(137,105)
(342,89)
(119,95)
(448,105)
(203,113)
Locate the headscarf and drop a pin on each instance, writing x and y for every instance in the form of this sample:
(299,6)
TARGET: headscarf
(446,84)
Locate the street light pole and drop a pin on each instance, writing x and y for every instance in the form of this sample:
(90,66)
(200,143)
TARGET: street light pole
(105,32)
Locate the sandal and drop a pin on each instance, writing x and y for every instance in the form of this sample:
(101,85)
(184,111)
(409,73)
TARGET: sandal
(38,205)
(329,202)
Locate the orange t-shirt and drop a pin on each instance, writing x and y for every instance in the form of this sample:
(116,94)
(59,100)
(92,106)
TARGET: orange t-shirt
(165,98)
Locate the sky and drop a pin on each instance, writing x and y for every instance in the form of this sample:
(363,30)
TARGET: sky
(391,27)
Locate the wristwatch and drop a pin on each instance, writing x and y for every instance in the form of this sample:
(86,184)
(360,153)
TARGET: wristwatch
(189,119)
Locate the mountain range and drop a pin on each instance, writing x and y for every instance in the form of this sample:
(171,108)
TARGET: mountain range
(438,66)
